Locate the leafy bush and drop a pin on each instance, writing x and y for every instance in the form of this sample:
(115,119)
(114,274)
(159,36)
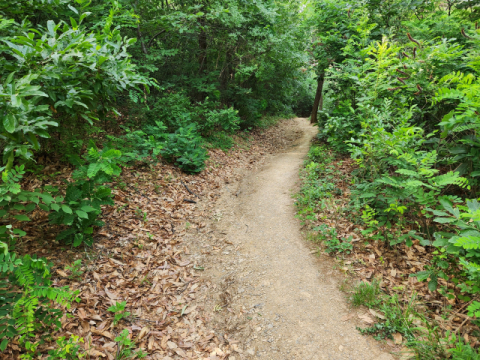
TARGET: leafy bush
(397,320)
(26,297)
(184,148)
(81,206)
(119,310)
(138,145)
(126,347)
(93,66)
(334,245)
(67,349)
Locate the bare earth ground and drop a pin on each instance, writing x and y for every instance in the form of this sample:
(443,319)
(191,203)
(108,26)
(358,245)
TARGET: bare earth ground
(267,295)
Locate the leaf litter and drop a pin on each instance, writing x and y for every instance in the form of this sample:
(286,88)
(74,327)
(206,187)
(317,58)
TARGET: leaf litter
(140,256)
(394,266)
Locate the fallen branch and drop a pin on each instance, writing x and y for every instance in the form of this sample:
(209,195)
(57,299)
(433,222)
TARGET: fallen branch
(190,191)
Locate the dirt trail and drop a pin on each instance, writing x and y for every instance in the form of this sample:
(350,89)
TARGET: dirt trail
(280,301)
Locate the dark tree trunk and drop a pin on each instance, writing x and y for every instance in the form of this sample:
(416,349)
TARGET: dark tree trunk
(318,103)
(202,44)
(139,33)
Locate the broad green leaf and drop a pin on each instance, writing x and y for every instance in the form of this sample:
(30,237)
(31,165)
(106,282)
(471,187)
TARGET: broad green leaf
(88,208)
(82,214)
(73,9)
(444,220)
(51,27)
(66,208)
(93,169)
(22,217)
(19,232)
(4,344)
(9,122)
(77,240)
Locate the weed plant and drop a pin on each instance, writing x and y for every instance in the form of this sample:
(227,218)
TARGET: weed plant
(367,294)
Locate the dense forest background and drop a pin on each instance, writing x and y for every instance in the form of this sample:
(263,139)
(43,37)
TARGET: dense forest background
(102,84)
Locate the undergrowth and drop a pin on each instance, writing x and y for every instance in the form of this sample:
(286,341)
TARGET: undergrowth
(401,314)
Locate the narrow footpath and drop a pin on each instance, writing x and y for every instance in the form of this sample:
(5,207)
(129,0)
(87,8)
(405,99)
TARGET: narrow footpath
(273,296)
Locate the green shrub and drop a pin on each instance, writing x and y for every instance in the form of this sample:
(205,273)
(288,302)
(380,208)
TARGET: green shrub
(119,310)
(397,320)
(334,245)
(70,349)
(80,208)
(185,149)
(26,298)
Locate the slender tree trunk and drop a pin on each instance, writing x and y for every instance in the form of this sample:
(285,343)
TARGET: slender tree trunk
(318,99)
(202,44)
(139,33)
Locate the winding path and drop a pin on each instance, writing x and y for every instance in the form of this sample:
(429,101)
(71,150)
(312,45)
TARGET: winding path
(293,296)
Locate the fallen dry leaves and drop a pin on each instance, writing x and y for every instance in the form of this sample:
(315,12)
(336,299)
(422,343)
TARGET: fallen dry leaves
(139,256)
(392,265)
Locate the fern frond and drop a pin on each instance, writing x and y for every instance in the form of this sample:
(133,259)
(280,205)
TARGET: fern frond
(468,242)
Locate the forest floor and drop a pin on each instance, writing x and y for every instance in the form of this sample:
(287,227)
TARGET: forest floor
(210,266)
(272,296)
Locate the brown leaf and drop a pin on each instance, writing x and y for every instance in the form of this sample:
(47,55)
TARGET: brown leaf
(419,248)
(81,313)
(62,273)
(102,333)
(163,343)
(151,342)
(366,318)
(85,326)
(374,313)
(115,261)
(143,332)
(171,345)
(111,295)
(95,317)
(348,317)
(93,352)
(407,354)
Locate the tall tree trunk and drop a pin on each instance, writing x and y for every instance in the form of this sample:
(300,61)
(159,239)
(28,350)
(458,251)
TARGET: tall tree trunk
(139,33)
(318,99)
(202,44)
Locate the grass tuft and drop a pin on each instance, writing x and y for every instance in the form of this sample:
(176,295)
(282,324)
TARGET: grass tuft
(367,294)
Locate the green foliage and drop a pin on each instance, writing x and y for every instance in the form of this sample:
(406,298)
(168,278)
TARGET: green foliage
(463,122)
(334,245)
(75,269)
(81,206)
(367,294)
(463,351)
(26,296)
(185,149)
(119,310)
(81,72)
(397,320)
(67,349)
(126,347)
(401,97)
